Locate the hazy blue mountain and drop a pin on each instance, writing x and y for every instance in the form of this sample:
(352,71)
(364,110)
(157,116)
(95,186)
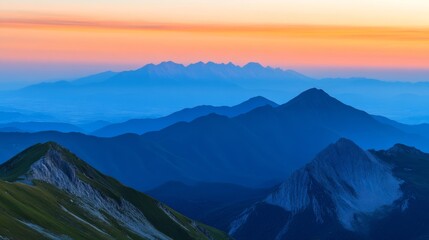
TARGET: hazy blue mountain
(215,204)
(38,127)
(49,193)
(402,101)
(15,115)
(153,90)
(217,148)
(170,73)
(140,126)
(346,193)
(159,89)
(11,116)
(91,79)
(419,129)
(10,129)
(92,126)
(315,107)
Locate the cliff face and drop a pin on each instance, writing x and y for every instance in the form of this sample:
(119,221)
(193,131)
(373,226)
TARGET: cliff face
(54,169)
(345,177)
(341,186)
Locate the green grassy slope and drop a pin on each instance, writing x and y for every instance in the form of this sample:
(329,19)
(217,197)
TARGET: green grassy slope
(59,214)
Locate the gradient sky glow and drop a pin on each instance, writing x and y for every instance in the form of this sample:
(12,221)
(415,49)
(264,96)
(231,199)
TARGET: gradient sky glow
(47,39)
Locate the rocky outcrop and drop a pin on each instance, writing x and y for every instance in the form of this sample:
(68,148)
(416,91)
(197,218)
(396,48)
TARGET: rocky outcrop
(54,169)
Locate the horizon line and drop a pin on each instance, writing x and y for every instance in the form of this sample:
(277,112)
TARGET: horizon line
(269,67)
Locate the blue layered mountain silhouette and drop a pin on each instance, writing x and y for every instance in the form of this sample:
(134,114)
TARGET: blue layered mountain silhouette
(216,148)
(140,126)
(156,90)
(38,127)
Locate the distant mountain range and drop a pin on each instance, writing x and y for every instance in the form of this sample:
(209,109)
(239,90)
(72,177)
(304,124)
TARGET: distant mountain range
(152,90)
(158,90)
(41,126)
(346,193)
(216,148)
(8,115)
(49,193)
(38,127)
(137,126)
(140,126)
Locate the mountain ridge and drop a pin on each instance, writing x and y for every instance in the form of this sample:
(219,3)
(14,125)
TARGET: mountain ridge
(141,126)
(336,195)
(106,208)
(221,149)
(135,93)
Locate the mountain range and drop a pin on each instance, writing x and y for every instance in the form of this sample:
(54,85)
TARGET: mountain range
(236,150)
(158,90)
(346,193)
(140,126)
(47,192)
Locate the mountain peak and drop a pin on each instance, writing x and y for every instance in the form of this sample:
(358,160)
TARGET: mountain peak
(163,67)
(312,96)
(345,143)
(343,151)
(313,93)
(170,64)
(347,175)
(51,145)
(22,164)
(88,194)
(258,101)
(316,100)
(403,149)
(253,66)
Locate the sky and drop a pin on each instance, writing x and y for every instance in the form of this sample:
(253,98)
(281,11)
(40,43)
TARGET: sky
(42,40)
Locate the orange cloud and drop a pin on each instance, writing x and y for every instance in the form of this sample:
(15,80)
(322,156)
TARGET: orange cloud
(55,38)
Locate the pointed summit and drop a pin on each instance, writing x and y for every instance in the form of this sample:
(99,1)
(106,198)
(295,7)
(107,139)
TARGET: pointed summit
(316,106)
(313,98)
(315,92)
(71,194)
(257,101)
(337,185)
(18,166)
(344,143)
(48,162)
(170,64)
(404,149)
(162,69)
(253,66)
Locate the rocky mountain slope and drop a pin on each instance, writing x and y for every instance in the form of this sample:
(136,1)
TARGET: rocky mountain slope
(49,193)
(346,193)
